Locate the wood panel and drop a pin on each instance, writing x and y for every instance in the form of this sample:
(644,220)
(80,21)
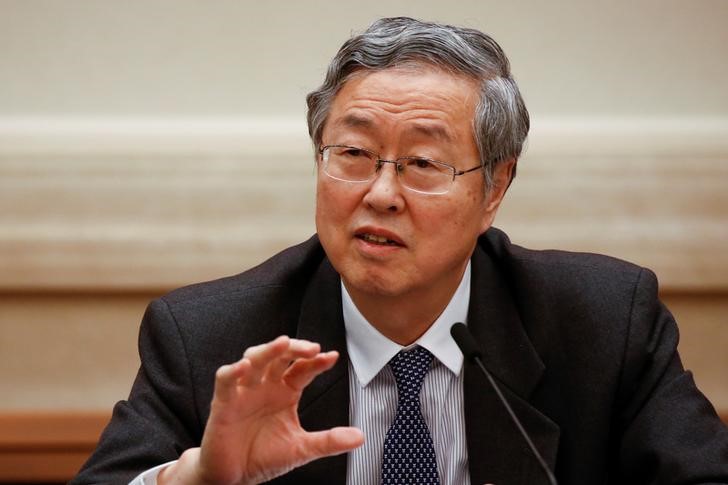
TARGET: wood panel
(71,351)
(47,447)
(703,323)
(51,447)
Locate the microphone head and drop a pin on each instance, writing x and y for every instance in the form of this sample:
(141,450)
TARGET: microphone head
(465,340)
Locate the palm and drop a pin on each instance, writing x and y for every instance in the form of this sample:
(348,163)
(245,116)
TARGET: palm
(253,433)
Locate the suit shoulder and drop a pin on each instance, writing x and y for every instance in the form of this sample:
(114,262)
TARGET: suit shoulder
(233,313)
(560,264)
(590,303)
(283,270)
(567,274)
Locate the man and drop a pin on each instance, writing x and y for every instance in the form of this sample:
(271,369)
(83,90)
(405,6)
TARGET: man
(345,338)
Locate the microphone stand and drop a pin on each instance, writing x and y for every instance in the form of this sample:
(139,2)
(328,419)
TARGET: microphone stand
(466,342)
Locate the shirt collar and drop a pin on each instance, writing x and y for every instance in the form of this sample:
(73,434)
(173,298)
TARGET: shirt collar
(369,350)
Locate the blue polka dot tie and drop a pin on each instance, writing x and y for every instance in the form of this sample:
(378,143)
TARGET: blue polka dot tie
(409,455)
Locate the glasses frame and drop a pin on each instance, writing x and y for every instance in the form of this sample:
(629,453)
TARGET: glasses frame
(399,167)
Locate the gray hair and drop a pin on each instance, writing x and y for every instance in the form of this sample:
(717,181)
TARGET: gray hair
(501,120)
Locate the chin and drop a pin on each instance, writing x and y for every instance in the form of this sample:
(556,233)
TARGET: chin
(371,283)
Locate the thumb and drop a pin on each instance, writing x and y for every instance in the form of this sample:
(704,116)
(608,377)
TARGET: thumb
(333,441)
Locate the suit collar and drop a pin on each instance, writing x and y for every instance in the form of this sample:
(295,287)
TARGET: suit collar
(495,323)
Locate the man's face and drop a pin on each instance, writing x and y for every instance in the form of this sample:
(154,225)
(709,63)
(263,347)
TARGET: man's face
(400,112)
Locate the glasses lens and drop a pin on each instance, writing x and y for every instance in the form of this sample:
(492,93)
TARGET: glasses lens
(349,164)
(426,176)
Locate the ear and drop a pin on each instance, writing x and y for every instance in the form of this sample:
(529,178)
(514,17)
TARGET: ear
(502,176)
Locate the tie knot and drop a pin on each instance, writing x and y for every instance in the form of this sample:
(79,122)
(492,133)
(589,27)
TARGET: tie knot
(409,369)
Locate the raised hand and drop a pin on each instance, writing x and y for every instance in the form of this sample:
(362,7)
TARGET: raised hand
(253,433)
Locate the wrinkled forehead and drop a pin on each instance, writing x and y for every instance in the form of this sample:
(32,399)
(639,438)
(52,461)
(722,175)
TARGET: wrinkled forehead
(429,100)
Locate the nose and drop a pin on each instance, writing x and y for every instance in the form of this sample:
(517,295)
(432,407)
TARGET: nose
(385,192)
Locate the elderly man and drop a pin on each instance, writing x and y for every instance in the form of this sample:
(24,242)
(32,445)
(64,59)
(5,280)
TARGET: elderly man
(345,338)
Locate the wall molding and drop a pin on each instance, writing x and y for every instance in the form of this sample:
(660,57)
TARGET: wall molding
(629,136)
(98,204)
(173,136)
(239,135)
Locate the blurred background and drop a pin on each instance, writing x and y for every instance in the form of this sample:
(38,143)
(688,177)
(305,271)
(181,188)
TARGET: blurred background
(145,145)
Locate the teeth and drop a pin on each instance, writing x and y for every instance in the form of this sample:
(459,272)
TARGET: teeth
(376,239)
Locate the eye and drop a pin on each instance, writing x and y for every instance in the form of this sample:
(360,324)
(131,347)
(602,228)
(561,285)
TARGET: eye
(354,152)
(421,164)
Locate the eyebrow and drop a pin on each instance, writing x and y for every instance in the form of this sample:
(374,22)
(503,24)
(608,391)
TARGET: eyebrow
(356,121)
(438,132)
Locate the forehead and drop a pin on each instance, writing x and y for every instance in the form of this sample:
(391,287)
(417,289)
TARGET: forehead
(422,99)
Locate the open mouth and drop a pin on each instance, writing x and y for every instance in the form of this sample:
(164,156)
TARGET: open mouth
(374,239)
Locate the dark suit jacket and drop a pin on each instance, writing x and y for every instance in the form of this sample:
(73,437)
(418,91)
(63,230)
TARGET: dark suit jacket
(583,348)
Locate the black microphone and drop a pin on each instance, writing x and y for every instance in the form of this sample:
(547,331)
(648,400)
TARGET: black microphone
(469,347)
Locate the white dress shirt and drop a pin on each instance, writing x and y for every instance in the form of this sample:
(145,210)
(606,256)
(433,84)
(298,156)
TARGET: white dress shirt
(373,393)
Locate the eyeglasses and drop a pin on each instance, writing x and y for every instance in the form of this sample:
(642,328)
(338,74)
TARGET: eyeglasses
(419,174)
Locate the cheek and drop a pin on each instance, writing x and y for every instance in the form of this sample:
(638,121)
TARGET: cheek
(326,220)
(455,224)
(324,209)
(334,204)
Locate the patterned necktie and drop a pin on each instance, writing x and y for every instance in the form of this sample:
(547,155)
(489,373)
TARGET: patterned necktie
(409,455)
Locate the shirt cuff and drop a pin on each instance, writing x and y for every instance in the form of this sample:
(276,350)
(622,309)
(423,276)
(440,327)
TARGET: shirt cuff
(149,477)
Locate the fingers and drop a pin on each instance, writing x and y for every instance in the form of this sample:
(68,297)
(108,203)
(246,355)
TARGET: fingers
(263,353)
(297,350)
(271,360)
(300,361)
(303,371)
(227,378)
(334,441)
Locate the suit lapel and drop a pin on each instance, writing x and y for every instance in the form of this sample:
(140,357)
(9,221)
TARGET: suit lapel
(325,402)
(497,453)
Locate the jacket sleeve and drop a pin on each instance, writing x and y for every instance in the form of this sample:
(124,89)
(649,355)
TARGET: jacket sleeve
(669,432)
(159,420)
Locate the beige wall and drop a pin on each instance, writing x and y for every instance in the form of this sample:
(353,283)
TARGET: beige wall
(237,58)
(146,145)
